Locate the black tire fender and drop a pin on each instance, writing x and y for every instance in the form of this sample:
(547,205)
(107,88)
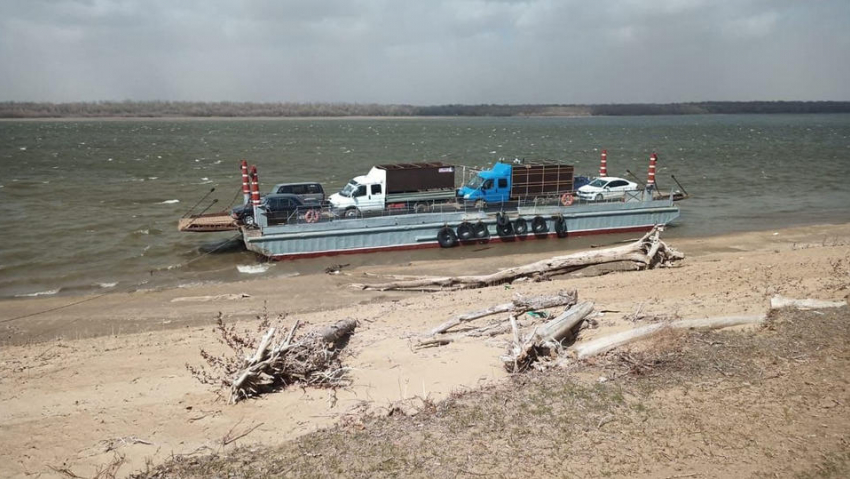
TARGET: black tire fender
(465,231)
(506,229)
(447,238)
(539,226)
(561,227)
(501,219)
(481,230)
(520,227)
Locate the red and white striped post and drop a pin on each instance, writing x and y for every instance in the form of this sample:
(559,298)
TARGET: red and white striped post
(650,181)
(603,164)
(255,193)
(246,183)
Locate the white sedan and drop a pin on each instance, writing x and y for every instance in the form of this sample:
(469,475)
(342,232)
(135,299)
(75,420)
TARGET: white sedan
(606,188)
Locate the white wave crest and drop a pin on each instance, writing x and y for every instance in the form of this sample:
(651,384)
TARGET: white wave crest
(49,292)
(107,285)
(170,202)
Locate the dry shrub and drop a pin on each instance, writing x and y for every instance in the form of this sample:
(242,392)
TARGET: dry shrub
(252,367)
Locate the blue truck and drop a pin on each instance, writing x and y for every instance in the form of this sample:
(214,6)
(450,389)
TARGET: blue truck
(510,182)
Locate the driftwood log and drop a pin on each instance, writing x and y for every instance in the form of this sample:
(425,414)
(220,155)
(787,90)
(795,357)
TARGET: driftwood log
(545,339)
(517,306)
(778,301)
(311,360)
(648,251)
(492,329)
(612,341)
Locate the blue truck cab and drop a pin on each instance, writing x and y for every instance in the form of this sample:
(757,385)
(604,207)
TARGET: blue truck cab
(515,181)
(489,186)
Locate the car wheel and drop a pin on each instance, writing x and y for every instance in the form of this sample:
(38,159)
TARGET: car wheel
(598,197)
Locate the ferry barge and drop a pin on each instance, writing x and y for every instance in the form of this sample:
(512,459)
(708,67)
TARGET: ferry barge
(324,230)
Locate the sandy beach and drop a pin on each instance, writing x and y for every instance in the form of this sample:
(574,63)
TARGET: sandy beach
(110,374)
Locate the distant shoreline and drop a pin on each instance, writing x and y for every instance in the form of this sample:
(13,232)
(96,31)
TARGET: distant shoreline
(354,118)
(271,118)
(158,110)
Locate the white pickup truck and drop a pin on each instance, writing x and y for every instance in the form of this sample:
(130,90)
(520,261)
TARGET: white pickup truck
(413,186)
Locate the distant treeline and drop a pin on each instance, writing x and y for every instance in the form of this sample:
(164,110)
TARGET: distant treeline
(159,109)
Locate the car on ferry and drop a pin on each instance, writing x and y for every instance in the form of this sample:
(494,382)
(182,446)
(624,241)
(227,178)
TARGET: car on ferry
(306,191)
(606,188)
(279,209)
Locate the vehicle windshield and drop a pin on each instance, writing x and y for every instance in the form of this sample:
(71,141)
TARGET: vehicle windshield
(475,182)
(349,189)
(598,183)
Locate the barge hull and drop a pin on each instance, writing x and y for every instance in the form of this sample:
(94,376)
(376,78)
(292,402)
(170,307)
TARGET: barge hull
(419,231)
(435,244)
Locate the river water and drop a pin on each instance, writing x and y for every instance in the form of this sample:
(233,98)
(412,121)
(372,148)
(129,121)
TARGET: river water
(92,206)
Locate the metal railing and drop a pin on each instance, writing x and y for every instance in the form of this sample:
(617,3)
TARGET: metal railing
(325,213)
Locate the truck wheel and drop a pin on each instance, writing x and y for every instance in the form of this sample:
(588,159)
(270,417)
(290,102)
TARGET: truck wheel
(520,227)
(351,213)
(561,227)
(248,221)
(481,230)
(538,225)
(479,204)
(465,232)
(447,238)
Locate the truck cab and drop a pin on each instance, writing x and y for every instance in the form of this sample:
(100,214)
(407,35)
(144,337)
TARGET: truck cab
(489,186)
(361,195)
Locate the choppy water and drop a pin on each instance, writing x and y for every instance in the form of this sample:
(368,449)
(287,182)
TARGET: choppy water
(91,206)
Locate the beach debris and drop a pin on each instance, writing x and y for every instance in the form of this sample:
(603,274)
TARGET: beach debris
(778,301)
(336,268)
(546,340)
(253,268)
(647,252)
(264,364)
(519,305)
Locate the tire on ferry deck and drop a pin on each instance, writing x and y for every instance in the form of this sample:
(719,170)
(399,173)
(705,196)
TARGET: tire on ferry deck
(465,231)
(503,225)
(561,227)
(520,227)
(481,230)
(447,238)
(539,226)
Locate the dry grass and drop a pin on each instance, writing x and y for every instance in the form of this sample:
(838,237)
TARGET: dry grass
(766,403)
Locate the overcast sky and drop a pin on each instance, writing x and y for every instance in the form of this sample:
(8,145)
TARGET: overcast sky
(425,51)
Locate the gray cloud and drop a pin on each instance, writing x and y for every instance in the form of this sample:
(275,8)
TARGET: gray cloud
(425,52)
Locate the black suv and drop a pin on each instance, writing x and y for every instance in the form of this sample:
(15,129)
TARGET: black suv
(279,209)
(305,191)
